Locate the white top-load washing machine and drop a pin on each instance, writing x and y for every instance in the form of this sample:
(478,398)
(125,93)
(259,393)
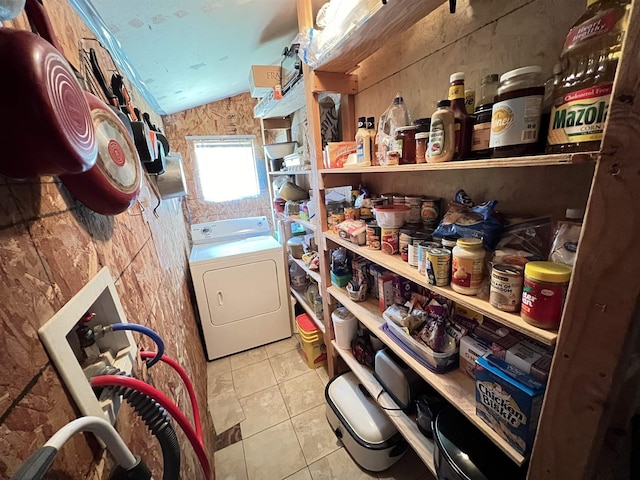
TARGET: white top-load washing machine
(238,272)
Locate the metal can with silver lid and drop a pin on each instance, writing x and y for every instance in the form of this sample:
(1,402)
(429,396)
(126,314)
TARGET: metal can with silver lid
(506,287)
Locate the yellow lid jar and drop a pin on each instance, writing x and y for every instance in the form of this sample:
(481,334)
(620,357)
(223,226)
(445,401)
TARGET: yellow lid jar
(543,293)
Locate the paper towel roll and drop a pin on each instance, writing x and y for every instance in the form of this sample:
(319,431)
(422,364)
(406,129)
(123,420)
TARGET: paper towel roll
(172,183)
(284,231)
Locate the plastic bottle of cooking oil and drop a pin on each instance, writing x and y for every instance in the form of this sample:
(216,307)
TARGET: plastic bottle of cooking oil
(589,60)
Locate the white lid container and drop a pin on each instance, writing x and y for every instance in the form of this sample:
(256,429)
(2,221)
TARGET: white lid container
(360,412)
(345,326)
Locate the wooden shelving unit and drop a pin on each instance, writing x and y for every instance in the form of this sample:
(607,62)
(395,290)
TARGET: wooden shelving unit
(396,265)
(591,364)
(371,33)
(314,274)
(307,308)
(406,425)
(290,172)
(292,101)
(455,386)
(511,162)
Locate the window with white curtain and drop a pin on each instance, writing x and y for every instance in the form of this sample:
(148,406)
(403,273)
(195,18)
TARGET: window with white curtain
(227,167)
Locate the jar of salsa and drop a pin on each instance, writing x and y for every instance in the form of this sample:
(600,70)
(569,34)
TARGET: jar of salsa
(405,143)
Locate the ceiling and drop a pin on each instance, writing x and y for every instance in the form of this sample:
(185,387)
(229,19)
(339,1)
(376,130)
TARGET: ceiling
(192,52)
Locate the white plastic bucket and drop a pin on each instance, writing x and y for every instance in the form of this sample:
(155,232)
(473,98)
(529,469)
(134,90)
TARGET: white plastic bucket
(345,326)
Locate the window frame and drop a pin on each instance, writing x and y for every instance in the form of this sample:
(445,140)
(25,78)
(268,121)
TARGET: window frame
(219,140)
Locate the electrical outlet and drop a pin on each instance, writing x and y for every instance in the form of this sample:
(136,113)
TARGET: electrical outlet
(115,348)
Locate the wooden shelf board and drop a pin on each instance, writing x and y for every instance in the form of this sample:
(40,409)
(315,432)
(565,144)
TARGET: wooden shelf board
(407,427)
(292,101)
(373,31)
(305,223)
(303,302)
(512,162)
(291,172)
(396,265)
(314,274)
(456,387)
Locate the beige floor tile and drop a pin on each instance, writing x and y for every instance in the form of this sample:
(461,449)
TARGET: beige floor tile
(225,410)
(218,367)
(303,474)
(315,434)
(224,407)
(288,365)
(222,383)
(302,393)
(338,466)
(409,467)
(249,357)
(283,346)
(229,463)
(323,375)
(262,410)
(273,453)
(253,378)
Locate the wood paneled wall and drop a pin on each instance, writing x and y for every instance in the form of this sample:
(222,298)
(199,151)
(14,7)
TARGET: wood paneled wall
(50,246)
(232,116)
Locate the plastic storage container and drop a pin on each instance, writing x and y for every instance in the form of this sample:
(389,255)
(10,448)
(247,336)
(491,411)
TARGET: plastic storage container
(361,425)
(345,326)
(437,362)
(467,266)
(313,347)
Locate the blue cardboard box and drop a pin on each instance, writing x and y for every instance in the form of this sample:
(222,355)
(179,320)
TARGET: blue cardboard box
(509,401)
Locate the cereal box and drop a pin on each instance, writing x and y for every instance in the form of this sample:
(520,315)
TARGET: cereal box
(509,401)
(385,291)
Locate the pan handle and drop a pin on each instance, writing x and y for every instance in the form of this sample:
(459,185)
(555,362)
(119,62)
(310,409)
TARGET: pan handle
(39,20)
(97,71)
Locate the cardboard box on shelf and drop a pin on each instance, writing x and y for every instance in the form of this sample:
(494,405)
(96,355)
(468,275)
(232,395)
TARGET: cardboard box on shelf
(509,401)
(262,79)
(470,350)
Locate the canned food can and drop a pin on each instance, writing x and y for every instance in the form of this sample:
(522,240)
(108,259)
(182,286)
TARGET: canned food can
(389,239)
(404,238)
(422,258)
(429,211)
(415,208)
(506,287)
(352,213)
(438,266)
(336,219)
(373,237)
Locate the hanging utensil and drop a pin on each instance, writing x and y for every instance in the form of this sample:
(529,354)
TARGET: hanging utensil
(113,183)
(141,135)
(46,124)
(111,98)
(159,135)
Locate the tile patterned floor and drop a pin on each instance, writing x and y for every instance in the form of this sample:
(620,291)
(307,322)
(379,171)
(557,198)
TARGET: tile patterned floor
(268,408)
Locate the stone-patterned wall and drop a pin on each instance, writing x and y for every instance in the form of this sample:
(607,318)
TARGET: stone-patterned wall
(232,116)
(50,246)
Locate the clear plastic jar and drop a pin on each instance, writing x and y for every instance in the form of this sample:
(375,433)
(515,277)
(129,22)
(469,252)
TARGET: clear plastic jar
(467,266)
(516,114)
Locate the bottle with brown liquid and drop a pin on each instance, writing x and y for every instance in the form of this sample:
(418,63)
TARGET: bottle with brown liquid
(463,122)
(589,60)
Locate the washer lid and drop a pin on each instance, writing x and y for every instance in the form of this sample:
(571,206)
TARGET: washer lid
(211,251)
(361,412)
